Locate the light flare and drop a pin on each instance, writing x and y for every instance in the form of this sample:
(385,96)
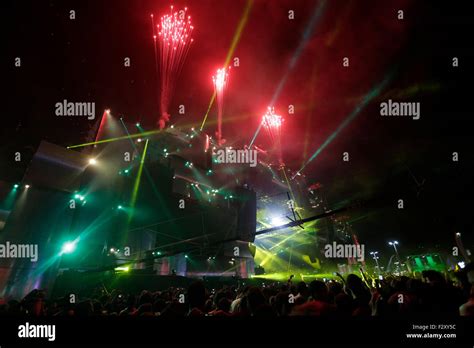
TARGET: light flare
(220,82)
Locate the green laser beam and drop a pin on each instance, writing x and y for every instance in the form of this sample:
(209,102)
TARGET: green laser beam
(136,185)
(208,109)
(233,46)
(374,92)
(148,175)
(256,134)
(125,137)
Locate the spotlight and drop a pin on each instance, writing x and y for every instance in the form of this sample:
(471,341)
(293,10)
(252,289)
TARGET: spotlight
(139,140)
(137,124)
(277,221)
(122,269)
(126,171)
(107,111)
(16,186)
(186,256)
(119,207)
(27,186)
(93,161)
(68,247)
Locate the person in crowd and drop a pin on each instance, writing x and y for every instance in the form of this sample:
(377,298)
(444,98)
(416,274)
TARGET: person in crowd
(196,297)
(395,296)
(318,304)
(467,309)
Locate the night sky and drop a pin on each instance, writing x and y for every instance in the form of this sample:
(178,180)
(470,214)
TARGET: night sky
(82,60)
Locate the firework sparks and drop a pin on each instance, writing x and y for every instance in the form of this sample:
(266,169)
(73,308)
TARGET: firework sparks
(220,82)
(272,123)
(271,120)
(220,79)
(174,38)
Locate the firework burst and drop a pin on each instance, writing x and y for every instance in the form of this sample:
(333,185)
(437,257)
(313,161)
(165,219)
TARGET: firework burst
(272,124)
(174,40)
(220,82)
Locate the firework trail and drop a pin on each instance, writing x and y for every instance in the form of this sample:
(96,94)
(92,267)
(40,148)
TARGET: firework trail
(272,124)
(220,83)
(174,40)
